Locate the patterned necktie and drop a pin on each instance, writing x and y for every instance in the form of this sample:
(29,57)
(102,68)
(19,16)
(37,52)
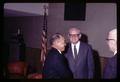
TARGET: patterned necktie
(75,51)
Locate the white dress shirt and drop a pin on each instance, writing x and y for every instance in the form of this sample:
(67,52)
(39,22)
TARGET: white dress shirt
(115,52)
(59,51)
(77,47)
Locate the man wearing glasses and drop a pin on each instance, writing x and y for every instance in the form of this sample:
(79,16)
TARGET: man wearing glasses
(79,56)
(110,70)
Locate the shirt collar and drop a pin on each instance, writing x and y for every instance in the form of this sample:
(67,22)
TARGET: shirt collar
(59,51)
(77,44)
(115,52)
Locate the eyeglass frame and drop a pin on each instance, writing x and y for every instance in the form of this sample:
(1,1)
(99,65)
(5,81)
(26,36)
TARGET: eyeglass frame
(110,39)
(71,35)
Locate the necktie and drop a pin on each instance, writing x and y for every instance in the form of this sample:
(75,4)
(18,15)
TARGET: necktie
(75,51)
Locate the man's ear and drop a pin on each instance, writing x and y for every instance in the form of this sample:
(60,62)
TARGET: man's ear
(80,35)
(56,41)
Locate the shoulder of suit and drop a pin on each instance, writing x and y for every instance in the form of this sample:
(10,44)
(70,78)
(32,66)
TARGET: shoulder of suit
(85,44)
(53,51)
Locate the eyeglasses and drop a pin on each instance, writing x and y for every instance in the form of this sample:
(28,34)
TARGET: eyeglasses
(74,35)
(109,39)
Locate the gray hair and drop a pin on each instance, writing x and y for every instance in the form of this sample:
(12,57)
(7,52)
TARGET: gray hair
(54,37)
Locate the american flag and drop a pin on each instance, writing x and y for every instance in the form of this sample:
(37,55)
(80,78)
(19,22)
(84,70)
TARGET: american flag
(44,38)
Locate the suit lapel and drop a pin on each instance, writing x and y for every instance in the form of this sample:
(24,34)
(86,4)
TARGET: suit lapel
(71,58)
(71,53)
(80,55)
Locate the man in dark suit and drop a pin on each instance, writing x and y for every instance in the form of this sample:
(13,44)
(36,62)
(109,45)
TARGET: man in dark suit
(79,56)
(56,66)
(110,70)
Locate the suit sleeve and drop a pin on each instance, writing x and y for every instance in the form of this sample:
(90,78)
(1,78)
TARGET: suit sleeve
(90,63)
(62,67)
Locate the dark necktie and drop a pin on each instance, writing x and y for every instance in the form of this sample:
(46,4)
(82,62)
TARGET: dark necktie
(75,51)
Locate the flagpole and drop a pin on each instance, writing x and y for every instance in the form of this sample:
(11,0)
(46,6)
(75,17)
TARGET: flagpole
(44,38)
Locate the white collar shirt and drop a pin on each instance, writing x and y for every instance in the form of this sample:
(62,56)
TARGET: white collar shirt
(77,47)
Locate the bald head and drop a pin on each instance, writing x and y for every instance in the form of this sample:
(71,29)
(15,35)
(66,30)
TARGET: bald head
(113,34)
(74,35)
(74,30)
(112,40)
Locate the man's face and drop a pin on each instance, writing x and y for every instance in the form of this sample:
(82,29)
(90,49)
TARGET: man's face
(111,42)
(60,43)
(74,36)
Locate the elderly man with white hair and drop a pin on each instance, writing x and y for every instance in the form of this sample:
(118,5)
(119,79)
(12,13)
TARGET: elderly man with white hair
(79,56)
(110,70)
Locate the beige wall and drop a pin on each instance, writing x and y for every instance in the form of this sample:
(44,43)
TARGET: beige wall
(100,18)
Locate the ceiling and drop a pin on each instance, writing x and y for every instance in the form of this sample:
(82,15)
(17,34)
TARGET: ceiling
(24,9)
(34,9)
(14,13)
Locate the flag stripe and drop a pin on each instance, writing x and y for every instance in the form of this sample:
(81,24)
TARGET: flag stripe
(44,39)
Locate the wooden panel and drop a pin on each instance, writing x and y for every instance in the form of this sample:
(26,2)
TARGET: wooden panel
(103,62)
(33,59)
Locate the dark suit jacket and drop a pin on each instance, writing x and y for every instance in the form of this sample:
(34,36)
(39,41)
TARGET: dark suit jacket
(110,70)
(56,66)
(83,67)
